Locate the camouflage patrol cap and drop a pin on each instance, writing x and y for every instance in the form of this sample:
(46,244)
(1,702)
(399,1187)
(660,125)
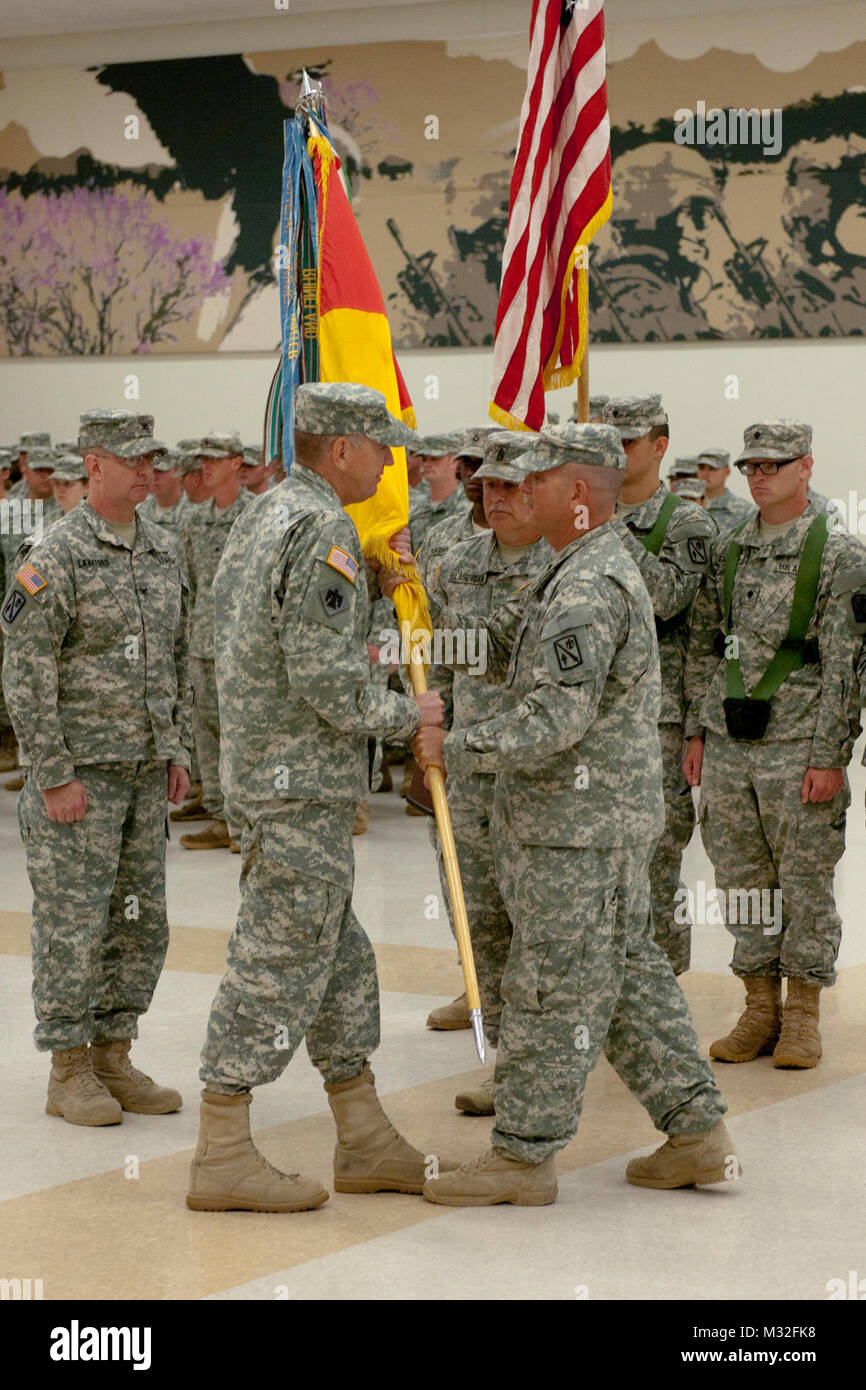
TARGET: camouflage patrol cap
(552,417)
(500,450)
(118,432)
(167,462)
(253,455)
(634,416)
(7,457)
(693,488)
(714,458)
(474,441)
(66,446)
(36,439)
(44,458)
(598,445)
(220,444)
(683,468)
(69,468)
(436,446)
(596,406)
(776,439)
(344,407)
(183,445)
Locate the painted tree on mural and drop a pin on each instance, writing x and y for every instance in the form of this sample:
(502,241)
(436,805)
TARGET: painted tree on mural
(94,271)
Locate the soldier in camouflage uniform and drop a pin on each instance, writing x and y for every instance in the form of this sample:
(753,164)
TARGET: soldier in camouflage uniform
(69,481)
(28,510)
(96,680)
(465,520)
(578,807)
(774,798)
(596,410)
(167,505)
(692,489)
(673,567)
(440,496)
(726,509)
(681,469)
(256,475)
(291,605)
(205,537)
(478,575)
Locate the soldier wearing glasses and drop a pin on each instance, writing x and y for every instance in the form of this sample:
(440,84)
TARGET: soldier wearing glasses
(773,716)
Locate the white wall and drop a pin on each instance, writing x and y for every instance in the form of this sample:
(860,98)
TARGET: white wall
(823,382)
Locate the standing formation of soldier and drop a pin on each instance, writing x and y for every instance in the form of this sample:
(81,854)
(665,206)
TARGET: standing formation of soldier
(638,641)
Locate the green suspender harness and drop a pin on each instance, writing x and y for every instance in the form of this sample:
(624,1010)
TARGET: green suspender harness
(747,716)
(653,542)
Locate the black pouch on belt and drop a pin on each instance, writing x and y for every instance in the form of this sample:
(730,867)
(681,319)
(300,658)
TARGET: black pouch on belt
(746,719)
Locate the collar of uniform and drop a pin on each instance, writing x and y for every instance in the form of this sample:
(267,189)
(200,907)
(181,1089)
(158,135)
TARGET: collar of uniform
(644,515)
(579,543)
(103,532)
(210,515)
(309,478)
(789,544)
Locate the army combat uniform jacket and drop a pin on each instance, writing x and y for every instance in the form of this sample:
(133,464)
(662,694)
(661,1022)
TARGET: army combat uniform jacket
(580,654)
(95,664)
(206,533)
(819,701)
(673,578)
(297,698)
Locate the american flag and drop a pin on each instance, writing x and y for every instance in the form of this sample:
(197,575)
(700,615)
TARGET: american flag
(560,197)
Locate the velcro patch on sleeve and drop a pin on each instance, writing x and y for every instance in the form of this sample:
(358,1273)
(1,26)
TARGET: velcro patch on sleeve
(30,579)
(343,562)
(13,605)
(569,651)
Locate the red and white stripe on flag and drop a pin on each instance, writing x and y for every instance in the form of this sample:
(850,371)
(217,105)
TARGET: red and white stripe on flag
(560,197)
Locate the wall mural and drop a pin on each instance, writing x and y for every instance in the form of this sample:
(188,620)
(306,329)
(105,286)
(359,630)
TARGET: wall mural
(139,202)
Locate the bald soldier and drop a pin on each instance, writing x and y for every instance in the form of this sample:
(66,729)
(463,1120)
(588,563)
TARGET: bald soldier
(773,717)
(95,676)
(291,607)
(668,538)
(577,809)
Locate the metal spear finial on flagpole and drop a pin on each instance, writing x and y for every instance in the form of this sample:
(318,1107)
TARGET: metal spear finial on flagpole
(312,97)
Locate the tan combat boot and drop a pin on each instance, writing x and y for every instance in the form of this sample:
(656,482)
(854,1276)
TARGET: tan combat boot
(493,1178)
(453,1015)
(800,1042)
(215,837)
(757,1029)
(362,819)
(688,1160)
(370,1155)
(137,1093)
(190,810)
(479,1099)
(76,1094)
(15,784)
(229,1174)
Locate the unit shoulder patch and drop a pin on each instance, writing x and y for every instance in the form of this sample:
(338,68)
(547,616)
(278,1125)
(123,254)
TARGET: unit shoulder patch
(568,650)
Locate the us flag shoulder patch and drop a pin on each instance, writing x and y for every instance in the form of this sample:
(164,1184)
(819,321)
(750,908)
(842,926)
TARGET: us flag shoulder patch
(30,579)
(341,561)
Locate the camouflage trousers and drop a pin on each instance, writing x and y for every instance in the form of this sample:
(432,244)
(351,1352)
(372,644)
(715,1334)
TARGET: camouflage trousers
(206,727)
(584,975)
(100,931)
(470,801)
(760,836)
(299,966)
(675,938)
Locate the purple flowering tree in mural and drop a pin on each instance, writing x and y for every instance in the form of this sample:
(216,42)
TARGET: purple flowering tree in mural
(93,271)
